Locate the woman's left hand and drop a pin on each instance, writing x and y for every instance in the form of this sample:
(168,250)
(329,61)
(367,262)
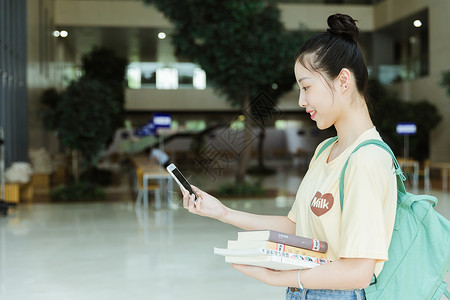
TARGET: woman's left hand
(268,276)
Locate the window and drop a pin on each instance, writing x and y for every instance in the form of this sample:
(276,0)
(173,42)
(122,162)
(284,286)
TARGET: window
(165,76)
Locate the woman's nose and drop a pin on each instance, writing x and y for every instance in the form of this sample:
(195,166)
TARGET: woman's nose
(302,100)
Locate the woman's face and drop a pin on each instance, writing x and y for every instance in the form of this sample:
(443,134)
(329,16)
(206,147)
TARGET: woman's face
(316,96)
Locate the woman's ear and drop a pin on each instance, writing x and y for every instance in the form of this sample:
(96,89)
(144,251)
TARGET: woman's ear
(344,79)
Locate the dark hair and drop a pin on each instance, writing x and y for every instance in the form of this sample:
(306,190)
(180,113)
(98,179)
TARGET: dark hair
(335,49)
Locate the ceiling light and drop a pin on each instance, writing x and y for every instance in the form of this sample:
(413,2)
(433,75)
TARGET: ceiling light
(161,35)
(56,33)
(417,23)
(64,33)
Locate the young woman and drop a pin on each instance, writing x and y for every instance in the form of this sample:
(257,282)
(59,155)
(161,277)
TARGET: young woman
(332,78)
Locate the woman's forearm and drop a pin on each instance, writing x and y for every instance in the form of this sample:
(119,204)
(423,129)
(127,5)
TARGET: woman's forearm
(343,274)
(249,221)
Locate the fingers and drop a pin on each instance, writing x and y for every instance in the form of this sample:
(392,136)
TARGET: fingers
(196,189)
(189,201)
(238,267)
(259,273)
(191,204)
(185,198)
(245,269)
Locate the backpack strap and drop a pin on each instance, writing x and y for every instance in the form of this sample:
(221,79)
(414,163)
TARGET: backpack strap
(398,170)
(447,293)
(326,145)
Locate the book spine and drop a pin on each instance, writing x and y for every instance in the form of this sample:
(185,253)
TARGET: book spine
(300,263)
(276,246)
(295,250)
(298,241)
(294,256)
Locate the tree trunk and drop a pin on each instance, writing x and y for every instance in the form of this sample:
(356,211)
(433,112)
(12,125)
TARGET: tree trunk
(245,154)
(261,138)
(75,172)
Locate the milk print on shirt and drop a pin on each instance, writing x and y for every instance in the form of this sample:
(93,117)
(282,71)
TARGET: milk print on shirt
(320,204)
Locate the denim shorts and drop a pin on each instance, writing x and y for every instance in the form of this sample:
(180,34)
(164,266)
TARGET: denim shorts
(306,294)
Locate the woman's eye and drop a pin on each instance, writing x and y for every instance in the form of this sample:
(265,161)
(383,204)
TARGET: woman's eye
(305,88)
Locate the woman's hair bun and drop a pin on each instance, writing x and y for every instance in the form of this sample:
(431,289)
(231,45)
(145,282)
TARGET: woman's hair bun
(344,26)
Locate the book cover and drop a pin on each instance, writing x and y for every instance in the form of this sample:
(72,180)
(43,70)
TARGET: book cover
(274,246)
(284,238)
(269,258)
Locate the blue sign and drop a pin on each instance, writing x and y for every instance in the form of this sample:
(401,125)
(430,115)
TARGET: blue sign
(146,130)
(406,128)
(162,120)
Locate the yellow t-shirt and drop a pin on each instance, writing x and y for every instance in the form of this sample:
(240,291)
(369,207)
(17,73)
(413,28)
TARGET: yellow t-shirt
(364,228)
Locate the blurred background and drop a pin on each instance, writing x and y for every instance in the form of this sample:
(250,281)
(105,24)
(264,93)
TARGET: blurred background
(97,95)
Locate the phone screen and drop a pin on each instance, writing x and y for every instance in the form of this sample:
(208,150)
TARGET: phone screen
(183,181)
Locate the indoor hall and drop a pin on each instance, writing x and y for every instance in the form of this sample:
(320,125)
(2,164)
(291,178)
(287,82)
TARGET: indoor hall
(112,249)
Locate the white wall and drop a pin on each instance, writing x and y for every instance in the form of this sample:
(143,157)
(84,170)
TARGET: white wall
(108,13)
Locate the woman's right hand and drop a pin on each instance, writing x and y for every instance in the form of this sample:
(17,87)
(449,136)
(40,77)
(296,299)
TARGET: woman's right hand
(206,205)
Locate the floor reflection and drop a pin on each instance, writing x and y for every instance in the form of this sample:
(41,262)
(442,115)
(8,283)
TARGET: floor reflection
(113,250)
(155,221)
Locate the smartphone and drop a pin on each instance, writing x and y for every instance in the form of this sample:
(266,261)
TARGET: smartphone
(181,180)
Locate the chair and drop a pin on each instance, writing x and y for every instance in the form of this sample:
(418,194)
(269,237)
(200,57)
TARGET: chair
(150,187)
(410,167)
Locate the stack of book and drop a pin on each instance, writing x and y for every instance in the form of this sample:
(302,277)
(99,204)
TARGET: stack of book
(275,250)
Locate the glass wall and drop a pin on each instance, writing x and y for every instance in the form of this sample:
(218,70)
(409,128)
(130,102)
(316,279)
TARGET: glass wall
(13,94)
(401,50)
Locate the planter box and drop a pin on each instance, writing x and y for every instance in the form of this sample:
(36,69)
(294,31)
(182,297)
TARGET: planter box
(14,192)
(41,181)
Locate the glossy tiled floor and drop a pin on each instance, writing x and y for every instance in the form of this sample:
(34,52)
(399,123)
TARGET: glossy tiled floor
(112,251)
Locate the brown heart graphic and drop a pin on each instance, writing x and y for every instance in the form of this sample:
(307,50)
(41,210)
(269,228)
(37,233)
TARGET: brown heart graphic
(320,204)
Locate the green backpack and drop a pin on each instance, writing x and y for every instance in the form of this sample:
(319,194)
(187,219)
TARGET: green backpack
(419,253)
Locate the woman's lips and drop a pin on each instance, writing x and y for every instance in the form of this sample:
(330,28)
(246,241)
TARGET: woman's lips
(312,114)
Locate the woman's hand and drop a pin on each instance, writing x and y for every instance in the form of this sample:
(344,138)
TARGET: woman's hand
(206,204)
(259,273)
(268,276)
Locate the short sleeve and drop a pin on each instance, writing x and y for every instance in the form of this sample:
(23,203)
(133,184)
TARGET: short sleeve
(292,215)
(369,205)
